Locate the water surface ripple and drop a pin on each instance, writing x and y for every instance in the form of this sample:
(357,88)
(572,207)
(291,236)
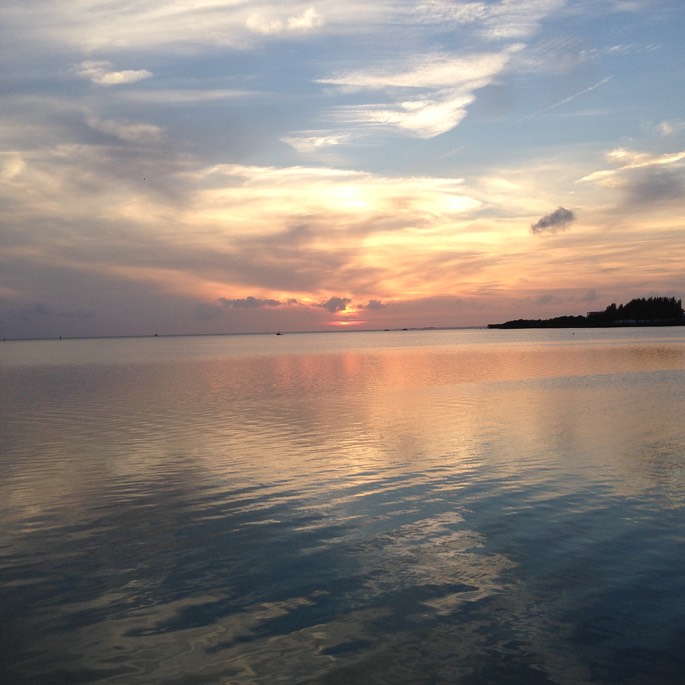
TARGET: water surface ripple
(421,507)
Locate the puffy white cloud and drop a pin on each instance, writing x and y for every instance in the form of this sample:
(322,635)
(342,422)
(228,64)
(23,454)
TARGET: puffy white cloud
(101,73)
(672,127)
(267,25)
(11,165)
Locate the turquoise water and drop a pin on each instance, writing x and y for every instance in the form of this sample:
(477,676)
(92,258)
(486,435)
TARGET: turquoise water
(392,507)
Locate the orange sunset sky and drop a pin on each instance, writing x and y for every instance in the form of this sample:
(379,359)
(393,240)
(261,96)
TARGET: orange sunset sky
(223,167)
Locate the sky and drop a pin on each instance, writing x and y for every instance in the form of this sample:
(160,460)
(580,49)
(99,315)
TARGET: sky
(232,166)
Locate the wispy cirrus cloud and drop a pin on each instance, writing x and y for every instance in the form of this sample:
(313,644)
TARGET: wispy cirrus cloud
(97,27)
(436,70)
(427,97)
(627,160)
(491,20)
(423,117)
(430,93)
(308,142)
(574,96)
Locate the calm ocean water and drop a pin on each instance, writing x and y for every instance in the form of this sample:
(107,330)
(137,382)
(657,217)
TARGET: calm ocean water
(395,507)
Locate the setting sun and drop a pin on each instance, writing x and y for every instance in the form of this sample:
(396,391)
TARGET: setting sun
(344,323)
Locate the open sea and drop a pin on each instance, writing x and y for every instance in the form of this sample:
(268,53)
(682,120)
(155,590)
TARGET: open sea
(453,506)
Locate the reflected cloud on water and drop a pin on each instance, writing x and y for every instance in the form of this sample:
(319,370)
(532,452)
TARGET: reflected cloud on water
(470,515)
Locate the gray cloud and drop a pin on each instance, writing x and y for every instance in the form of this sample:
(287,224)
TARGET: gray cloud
(548,299)
(250,302)
(558,220)
(336,304)
(34,319)
(31,311)
(651,186)
(126,131)
(373,304)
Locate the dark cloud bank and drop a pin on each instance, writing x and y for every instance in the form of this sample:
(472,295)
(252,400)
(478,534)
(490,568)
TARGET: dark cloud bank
(251,302)
(332,305)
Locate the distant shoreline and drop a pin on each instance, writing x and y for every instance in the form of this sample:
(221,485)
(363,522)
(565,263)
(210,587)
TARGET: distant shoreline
(131,336)
(652,311)
(583,323)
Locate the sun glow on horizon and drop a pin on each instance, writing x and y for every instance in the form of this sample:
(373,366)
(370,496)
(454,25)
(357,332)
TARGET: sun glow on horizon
(377,185)
(346,322)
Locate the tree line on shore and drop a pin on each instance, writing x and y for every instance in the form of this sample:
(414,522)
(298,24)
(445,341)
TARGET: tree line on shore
(651,311)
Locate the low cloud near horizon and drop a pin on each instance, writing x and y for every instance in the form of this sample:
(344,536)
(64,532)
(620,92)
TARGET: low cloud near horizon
(335,304)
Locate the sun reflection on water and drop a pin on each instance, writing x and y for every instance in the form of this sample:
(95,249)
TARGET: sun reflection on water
(418,513)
